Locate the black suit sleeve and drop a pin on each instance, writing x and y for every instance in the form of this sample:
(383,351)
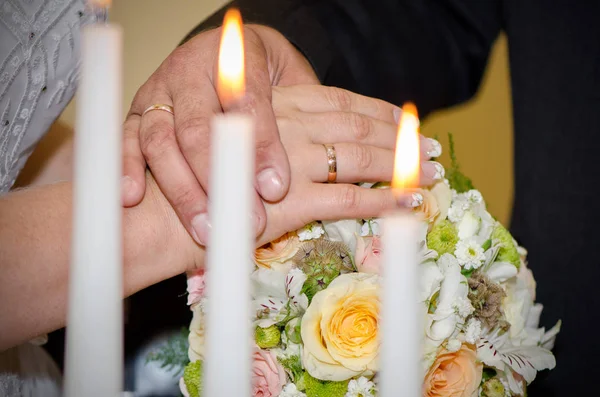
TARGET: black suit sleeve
(432,52)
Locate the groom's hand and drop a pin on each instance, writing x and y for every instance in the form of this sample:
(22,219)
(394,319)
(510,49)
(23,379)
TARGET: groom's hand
(176,147)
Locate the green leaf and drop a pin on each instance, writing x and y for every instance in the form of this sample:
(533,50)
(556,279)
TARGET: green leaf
(173,355)
(488,373)
(487,244)
(458,181)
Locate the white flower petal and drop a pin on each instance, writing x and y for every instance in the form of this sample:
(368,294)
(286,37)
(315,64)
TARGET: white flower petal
(468,225)
(268,282)
(499,272)
(345,231)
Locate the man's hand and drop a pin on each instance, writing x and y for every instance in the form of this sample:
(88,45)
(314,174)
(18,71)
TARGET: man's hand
(176,147)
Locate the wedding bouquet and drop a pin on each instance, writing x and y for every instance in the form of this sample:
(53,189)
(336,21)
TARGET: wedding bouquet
(316,301)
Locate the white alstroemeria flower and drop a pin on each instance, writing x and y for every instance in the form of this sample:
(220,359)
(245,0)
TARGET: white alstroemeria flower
(500,272)
(426,254)
(345,231)
(361,387)
(453,289)
(469,254)
(290,390)
(496,350)
(311,231)
(277,297)
(469,225)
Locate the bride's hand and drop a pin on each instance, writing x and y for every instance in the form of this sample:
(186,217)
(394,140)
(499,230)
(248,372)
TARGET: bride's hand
(363,131)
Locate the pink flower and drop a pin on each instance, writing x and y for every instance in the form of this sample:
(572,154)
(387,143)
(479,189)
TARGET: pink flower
(195,286)
(368,255)
(268,376)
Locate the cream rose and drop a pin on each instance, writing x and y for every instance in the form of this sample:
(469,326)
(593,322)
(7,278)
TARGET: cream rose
(278,251)
(196,337)
(443,198)
(456,374)
(340,328)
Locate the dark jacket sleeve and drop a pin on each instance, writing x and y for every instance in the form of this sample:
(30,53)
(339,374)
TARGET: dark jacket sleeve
(432,52)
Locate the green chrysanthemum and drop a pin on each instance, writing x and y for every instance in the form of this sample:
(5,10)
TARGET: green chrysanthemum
(267,338)
(508,252)
(492,388)
(322,261)
(321,388)
(443,238)
(192,377)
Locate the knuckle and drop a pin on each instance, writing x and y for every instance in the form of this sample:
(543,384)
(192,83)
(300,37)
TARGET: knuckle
(176,60)
(363,158)
(183,197)
(349,197)
(360,125)
(340,99)
(157,140)
(193,133)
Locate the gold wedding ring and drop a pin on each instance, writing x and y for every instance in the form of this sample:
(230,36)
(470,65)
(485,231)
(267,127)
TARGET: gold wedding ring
(159,106)
(331,163)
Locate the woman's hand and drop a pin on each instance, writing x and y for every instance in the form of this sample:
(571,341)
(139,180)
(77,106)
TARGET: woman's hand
(363,131)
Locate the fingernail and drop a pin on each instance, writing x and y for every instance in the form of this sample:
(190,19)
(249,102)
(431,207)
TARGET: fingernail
(397,112)
(201,228)
(269,184)
(437,173)
(435,148)
(412,200)
(416,200)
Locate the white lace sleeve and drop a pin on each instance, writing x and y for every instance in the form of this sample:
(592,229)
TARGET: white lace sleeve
(39,47)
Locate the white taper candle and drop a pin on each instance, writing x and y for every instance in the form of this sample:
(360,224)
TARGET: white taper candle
(401,327)
(228,327)
(94,353)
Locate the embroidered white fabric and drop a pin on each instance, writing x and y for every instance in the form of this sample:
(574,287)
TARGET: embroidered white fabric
(39,66)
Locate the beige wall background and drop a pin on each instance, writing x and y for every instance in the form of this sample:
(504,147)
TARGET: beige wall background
(482,127)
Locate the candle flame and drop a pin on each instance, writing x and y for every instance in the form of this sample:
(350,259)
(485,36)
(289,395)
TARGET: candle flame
(231,82)
(407,159)
(100,3)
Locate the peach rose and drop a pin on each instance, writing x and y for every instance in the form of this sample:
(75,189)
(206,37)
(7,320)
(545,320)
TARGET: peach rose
(340,327)
(268,376)
(368,254)
(429,210)
(278,251)
(456,374)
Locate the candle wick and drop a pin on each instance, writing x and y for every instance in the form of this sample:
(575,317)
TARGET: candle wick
(100,13)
